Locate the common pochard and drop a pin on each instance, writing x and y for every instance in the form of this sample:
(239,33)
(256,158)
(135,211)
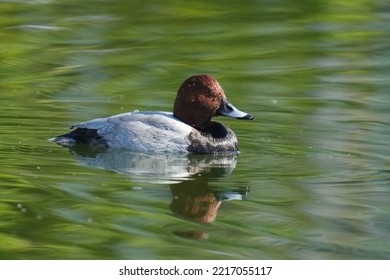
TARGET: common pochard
(188,129)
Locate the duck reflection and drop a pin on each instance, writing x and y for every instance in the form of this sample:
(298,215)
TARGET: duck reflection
(189,177)
(197,201)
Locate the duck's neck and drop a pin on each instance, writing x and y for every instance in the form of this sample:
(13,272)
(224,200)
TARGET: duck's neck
(215,129)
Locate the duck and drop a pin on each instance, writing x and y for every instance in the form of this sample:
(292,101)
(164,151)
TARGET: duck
(189,128)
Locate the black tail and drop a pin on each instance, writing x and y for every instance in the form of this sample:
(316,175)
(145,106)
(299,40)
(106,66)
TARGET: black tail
(80,135)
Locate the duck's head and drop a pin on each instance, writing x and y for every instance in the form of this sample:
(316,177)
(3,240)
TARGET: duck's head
(201,98)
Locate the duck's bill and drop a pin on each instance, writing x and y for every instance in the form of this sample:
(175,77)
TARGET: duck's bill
(228,110)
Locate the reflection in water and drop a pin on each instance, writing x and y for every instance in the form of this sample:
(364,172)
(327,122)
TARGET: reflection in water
(188,175)
(197,201)
(159,168)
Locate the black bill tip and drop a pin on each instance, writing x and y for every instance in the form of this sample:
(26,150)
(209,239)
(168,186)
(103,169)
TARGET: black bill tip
(247,117)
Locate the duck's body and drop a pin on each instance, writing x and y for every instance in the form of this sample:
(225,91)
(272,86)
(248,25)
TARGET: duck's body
(188,129)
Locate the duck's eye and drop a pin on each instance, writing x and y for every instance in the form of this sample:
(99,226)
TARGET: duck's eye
(208,92)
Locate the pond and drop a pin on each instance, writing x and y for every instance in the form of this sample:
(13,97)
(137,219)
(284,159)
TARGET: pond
(312,180)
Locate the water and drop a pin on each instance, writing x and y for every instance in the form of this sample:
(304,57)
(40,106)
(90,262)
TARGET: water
(311,182)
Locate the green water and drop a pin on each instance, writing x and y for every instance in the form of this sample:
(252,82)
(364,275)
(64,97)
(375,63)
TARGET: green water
(312,180)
